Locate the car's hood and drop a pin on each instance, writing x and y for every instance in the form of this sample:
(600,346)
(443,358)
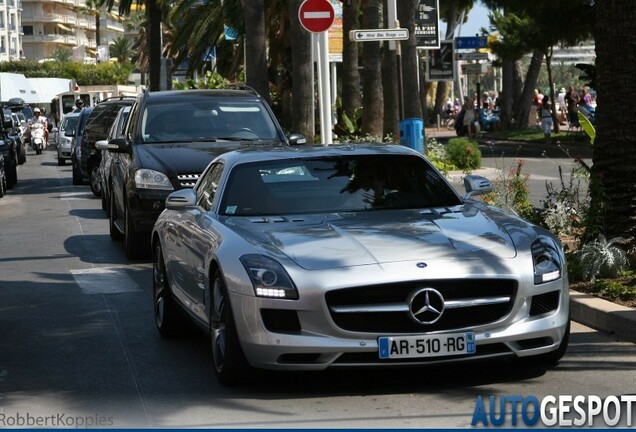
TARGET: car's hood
(342,240)
(181,158)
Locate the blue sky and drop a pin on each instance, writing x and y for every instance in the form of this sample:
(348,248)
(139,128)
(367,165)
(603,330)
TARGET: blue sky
(477,18)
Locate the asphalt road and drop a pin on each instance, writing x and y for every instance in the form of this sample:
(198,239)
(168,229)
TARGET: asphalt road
(78,343)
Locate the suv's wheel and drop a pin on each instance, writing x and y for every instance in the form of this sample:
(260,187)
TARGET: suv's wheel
(96,186)
(12,176)
(167,317)
(230,364)
(135,243)
(3,185)
(60,161)
(115,234)
(77,177)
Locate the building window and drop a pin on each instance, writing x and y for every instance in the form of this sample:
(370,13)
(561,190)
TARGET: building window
(27,30)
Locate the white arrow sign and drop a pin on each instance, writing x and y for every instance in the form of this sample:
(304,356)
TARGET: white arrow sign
(378,34)
(472,56)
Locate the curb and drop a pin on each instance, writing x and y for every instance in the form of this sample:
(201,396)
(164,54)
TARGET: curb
(603,315)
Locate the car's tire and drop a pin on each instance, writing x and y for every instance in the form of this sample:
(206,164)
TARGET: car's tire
(12,176)
(21,155)
(104,202)
(96,186)
(3,186)
(60,161)
(230,365)
(77,177)
(168,319)
(115,234)
(135,243)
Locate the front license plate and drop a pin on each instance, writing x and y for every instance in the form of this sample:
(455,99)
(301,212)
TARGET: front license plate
(451,344)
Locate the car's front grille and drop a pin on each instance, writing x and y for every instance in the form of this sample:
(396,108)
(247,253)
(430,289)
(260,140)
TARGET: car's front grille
(385,308)
(188,180)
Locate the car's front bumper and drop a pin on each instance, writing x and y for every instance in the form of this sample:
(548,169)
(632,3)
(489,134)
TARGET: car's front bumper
(145,207)
(321,344)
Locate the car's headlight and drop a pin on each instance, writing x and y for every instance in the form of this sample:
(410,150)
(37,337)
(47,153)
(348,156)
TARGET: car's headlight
(269,278)
(151,179)
(546,261)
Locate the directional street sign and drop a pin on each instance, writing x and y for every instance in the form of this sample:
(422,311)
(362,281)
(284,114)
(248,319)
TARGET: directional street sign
(379,34)
(475,68)
(471,42)
(316,16)
(472,56)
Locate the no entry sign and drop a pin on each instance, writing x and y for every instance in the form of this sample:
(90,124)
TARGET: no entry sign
(316,16)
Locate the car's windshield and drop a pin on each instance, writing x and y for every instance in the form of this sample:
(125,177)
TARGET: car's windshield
(335,184)
(200,120)
(69,123)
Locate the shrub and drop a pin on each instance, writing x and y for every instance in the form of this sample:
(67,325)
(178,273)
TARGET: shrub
(464,153)
(603,258)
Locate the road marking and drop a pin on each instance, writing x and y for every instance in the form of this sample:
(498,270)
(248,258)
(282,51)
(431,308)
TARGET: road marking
(104,280)
(76,195)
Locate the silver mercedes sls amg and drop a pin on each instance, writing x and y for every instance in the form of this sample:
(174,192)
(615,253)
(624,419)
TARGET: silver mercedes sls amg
(353,256)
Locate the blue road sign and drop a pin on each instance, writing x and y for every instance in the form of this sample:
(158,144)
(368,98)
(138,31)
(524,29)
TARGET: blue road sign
(471,42)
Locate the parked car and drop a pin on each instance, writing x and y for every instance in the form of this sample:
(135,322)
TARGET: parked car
(76,136)
(116,131)
(3,178)
(9,151)
(16,108)
(170,138)
(62,141)
(353,256)
(97,126)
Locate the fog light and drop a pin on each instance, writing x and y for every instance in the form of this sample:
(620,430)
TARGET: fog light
(156,205)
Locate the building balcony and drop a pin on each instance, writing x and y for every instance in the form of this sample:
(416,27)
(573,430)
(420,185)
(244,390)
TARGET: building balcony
(70,40)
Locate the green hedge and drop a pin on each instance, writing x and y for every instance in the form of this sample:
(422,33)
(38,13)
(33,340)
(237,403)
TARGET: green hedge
(464,153)
(85,74)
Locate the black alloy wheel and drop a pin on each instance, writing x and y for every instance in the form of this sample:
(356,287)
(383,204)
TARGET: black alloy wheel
(95,182)
(115,234)
(168,320)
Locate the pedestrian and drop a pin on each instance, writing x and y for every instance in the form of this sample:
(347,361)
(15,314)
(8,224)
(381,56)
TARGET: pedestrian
(572,100)
(470,117)
(563,109)
(546,118)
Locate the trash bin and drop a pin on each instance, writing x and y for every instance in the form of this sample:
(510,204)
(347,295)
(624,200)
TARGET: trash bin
(412,134)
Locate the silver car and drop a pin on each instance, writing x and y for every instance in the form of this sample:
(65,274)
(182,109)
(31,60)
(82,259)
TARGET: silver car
(63,142)
(353,256)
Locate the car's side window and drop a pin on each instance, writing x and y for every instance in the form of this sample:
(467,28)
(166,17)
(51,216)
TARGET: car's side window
(207,188)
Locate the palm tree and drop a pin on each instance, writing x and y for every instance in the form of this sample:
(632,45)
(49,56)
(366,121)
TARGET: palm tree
(372,93)
(302,111)
(614,156)
(351,100)
(62,55)
(122,49)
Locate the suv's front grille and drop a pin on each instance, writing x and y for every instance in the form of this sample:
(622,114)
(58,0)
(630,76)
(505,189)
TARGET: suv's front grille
(188,180)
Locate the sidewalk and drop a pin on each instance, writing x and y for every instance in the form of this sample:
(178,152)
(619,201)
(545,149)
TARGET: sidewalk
(603,315)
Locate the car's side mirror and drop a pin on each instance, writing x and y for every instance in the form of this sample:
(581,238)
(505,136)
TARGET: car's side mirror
(101,145)
(296,139)
(476,185)
(181,199)
(119,145)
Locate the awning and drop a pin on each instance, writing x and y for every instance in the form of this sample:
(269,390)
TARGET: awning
(63,27)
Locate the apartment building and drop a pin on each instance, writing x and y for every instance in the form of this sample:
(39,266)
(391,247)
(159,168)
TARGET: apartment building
(48,25)
(10,43)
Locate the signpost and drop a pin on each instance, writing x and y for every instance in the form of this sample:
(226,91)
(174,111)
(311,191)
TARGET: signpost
(471,42)
(316,16)
(474,68)
(379,34)
(440,65)
(427,24)
(472,56)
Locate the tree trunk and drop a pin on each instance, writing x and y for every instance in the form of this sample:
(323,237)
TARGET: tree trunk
(98,18)
(406,10)
(391,99)
(548,65)
(525,102)
(517,88)
(302,85)
(614,156)
(153,15)
(372,98)
(506,94)
(255,47)
(351,100)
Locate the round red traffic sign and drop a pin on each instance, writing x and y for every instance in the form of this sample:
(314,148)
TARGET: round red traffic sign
(316,15)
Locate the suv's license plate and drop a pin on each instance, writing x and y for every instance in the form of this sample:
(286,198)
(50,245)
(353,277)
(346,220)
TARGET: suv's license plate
(450,344)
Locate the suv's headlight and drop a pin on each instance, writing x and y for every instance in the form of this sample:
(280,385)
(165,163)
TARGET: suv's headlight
(546,260)
(151,179)
(269,278)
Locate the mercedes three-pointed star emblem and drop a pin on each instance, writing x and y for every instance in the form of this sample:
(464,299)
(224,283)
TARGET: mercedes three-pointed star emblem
(426,305)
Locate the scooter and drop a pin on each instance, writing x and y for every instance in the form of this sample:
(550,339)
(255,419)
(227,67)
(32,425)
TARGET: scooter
(37,137)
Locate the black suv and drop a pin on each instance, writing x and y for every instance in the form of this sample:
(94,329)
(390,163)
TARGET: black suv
(169,140)
(97,127)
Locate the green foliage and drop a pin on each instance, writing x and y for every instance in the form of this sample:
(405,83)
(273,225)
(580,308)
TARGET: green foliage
(122,49)
(437,155)
(563,209)
(614,289)
(602,258)
(464,153)
(63,55)
(210,80)
(85,74)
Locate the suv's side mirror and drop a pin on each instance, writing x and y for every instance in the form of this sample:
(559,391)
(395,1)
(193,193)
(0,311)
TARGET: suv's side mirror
(296,139)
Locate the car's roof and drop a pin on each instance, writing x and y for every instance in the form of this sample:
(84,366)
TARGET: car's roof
(257,153)
(72,114)
(169,95)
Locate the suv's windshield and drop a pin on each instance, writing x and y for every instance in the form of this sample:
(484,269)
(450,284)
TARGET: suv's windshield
(201,121)
(335,184)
